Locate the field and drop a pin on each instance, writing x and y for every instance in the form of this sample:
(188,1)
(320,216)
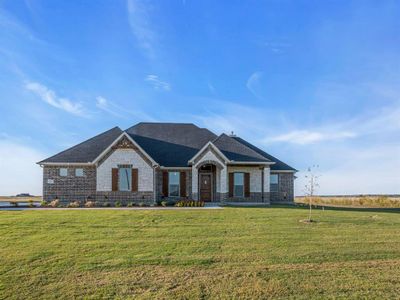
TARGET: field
(228,253)
(354,201)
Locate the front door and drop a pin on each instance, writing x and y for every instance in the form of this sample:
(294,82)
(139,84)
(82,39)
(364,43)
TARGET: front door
(205,187)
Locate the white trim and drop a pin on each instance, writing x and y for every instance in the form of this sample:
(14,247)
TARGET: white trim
(175,168)
(282,171)
(204,148)
(64,164)
(133,142)
(232,162)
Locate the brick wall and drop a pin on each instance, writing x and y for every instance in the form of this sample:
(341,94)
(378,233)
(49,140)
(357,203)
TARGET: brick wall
(70,187)
(159,182)
(285,191)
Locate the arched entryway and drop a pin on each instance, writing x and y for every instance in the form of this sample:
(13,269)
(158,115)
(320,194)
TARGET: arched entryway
(208,180)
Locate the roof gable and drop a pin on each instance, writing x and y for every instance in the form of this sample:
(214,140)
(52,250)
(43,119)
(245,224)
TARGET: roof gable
(86,151)
(236,151)
(278,166)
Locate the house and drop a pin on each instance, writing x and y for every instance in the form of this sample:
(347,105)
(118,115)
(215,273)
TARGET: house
(153,161)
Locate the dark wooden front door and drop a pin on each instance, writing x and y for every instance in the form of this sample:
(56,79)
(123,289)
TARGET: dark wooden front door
(205,187)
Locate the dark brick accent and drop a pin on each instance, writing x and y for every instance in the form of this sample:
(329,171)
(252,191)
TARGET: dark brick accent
(159,182)
(125,197)
(69,188)
(254,197)
(285,191)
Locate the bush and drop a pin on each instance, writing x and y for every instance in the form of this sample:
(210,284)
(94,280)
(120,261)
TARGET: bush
(43,203)
(106,204)
(74,204)
(130,204)
(189,203)
(142,204)
(89,204)
(30,203)
(164,203)
(14,203)
(118,204)
(54,203)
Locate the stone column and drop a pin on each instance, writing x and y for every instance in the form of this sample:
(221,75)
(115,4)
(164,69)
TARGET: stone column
(195,175)
(223,183)
(266,185)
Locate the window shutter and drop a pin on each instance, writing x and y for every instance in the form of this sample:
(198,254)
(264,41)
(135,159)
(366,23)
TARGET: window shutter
(182,183)
(165,184)
(135,180)
(114,179)
(247,185)
(230,184)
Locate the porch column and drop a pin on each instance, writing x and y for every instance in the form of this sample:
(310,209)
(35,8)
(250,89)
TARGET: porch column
(223,183)
(266,184)
(195,176)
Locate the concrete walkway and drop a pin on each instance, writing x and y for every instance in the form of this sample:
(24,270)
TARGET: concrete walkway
(111,208)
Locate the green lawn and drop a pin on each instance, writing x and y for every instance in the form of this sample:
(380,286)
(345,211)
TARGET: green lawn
(229,253)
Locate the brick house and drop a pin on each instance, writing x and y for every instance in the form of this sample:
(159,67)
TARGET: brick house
(153,161)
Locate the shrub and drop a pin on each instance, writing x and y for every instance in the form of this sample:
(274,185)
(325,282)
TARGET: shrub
(43,203)
(189,203)
(106,204)
(130,204)
(74,204)
(54,203)
(30,203)
(164,203)
(89,204)
(118,204)
(14,203)
(142,204)
(98,204)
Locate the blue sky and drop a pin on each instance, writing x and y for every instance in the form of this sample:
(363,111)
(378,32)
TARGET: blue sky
(312,82)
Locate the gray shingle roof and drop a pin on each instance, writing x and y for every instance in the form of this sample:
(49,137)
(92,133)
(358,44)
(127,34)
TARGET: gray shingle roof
(86,151)
(279,165)
(185,134)
(237,151)
(169,144)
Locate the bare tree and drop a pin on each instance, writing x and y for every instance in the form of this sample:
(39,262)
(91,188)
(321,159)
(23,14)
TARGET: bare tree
(311,186)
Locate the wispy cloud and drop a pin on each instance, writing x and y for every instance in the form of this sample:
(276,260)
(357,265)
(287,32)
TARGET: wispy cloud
(157,83)
(52,99)
(304,137)
(277,46)
(139,21)
(103,104)
(253,83)
(121,112)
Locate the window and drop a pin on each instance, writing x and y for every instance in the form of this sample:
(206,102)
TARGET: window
(79,172)
(124,179)
(173,184)
(63,172)
(238,187)
(274,182)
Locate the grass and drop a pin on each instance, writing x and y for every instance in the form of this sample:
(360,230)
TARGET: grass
(353,201)
(229,253)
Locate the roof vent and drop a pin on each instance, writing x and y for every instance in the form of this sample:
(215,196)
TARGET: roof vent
(232,134)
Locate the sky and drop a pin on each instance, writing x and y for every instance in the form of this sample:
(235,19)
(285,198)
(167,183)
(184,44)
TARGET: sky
(311,82)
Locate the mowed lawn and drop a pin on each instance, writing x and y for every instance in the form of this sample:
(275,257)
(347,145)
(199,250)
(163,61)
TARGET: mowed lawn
(191,254)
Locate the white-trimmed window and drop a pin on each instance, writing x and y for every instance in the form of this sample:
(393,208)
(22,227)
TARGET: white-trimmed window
(174,184)
(124,179)
(79,172)
(238,184)
(63,172)
(274,182)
